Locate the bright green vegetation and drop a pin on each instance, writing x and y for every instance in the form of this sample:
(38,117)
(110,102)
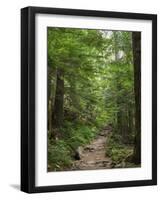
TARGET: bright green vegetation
(93,82)
(61,152)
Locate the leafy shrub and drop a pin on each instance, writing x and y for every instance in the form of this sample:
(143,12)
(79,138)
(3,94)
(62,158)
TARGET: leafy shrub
(80,136)
(117,151)
(61,152)
(58,155)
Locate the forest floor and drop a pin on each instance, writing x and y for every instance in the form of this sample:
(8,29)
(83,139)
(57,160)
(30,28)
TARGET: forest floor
(93,155)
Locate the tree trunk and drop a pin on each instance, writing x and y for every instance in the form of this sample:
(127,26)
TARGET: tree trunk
(59,100)
(48,97)
(118,86)
(130,122)
(119,123)
(130,125)
(51,96)
(125,127)
(136,39)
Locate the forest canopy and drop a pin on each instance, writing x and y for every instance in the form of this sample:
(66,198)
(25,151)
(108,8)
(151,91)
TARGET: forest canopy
(93,88)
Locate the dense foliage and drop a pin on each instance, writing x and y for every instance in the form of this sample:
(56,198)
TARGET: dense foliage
(90,85)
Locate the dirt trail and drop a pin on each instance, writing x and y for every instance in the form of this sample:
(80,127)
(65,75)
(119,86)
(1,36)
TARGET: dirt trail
(93,155)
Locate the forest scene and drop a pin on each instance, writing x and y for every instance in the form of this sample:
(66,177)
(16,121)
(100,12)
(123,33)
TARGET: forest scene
(94,99)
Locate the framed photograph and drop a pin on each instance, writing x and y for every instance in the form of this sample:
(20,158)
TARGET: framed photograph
(88,99)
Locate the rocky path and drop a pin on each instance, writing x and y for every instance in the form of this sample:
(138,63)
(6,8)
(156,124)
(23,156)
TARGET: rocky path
(93,156)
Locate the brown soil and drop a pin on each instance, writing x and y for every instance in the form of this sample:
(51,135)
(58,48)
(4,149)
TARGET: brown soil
(93,156)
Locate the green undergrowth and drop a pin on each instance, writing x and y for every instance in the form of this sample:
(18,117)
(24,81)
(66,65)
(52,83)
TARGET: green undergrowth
(118,152)
(61,152)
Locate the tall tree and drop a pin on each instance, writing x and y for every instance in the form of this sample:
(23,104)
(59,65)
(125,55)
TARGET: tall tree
(118,86)
(136,39)
(59,100)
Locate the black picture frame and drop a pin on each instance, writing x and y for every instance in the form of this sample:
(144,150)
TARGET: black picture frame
(28,98)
